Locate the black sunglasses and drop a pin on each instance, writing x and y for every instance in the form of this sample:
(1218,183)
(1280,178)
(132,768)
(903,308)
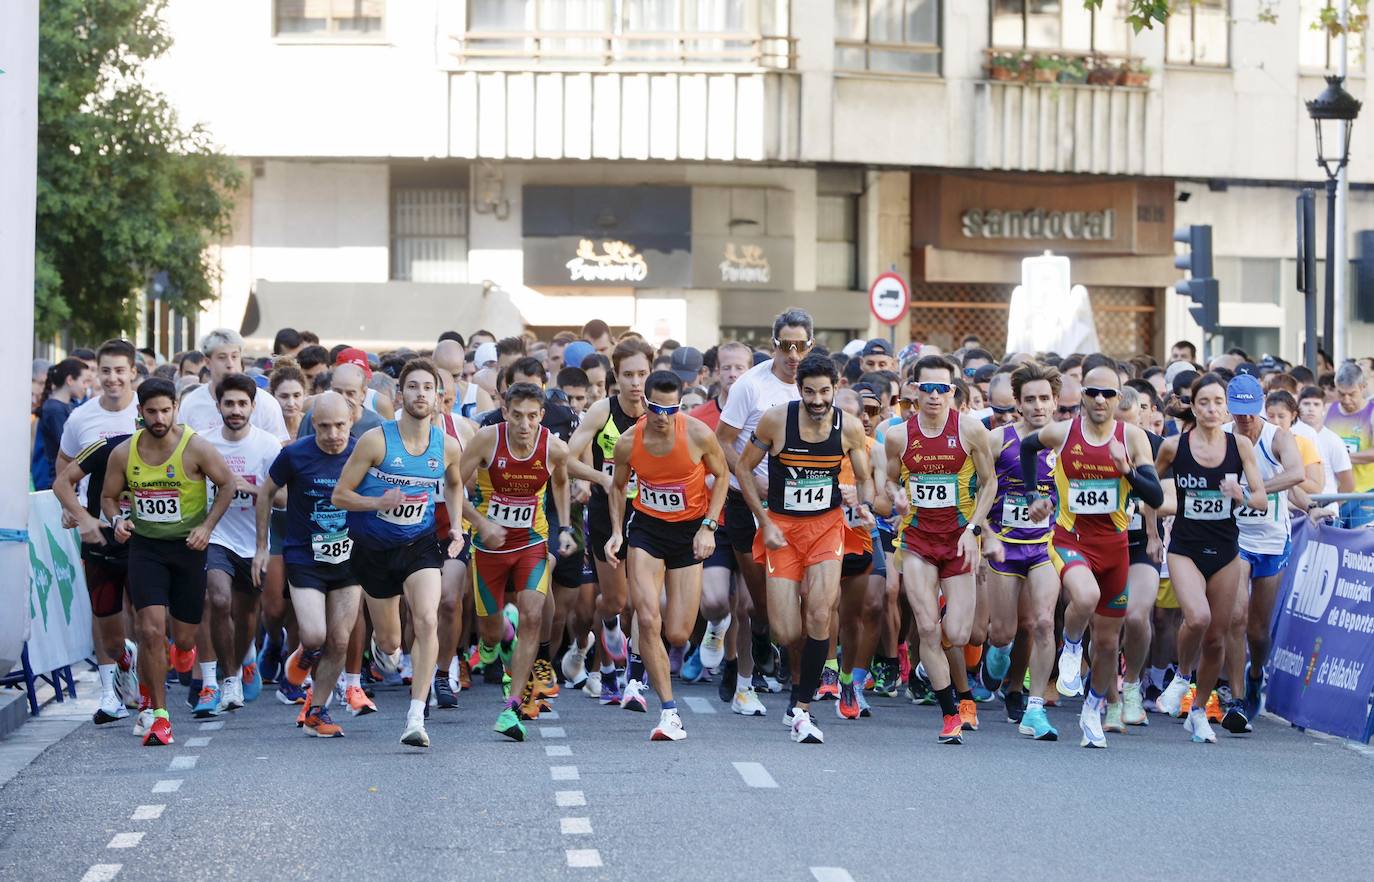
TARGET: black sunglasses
(1098,392)
(1003,409)
(1067,408)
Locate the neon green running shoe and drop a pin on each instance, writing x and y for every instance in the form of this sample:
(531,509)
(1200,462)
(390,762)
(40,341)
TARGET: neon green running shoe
(509,725)
(486,654)
(505,685)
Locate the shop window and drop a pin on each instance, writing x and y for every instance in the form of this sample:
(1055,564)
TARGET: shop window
(1317,49)
(428,232)
(891,36)
(329,19)
(1199,33)
(1059,24)
(837,241)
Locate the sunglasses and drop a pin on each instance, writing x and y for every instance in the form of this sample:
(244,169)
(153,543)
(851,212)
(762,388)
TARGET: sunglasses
(663,409)
(1003,410)
(940,388)
(1097,392)
(1070,409)
(970,372)
(874,410)
(909,402)
(1185,399)
(794,346)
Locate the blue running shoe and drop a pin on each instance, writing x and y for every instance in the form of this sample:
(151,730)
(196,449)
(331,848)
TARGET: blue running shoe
(980,692)
(289,694)
(996,663)
(252,683)
(1035,724)
(610,690)
(208,704)
(692,669)
(269,661)
(864,709)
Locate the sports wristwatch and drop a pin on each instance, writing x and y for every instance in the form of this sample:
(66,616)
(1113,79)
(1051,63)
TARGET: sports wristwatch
(711,524)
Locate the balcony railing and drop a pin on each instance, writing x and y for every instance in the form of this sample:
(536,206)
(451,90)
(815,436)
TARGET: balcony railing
(591,50)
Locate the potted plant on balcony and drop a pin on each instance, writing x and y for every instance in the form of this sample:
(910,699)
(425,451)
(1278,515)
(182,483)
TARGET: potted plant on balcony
(1004,66)
(1073,71)
(1045,68)
(1135,74)
(1103,72)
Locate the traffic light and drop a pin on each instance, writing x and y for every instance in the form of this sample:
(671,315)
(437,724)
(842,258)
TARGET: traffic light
(1200,287)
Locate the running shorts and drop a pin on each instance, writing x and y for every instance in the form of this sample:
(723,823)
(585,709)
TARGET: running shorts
(1107,561)
(1141,556)
(320,576)
(567,571)
(724,555)
(1019,558)
(598,537)
(939,549)
(105,585)
(464,556)
(856,564)
(383,571)
(240,570)
(739,523)
(276,531)
(1166,599)
(1262,566)
(164,572)
(588,569)
(492,573)
(810,540)
(1210,559)
(669,541)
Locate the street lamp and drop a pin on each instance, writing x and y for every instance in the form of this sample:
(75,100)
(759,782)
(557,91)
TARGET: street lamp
(1333,113)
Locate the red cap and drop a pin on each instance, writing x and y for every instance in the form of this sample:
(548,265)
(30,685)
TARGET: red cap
(355,356)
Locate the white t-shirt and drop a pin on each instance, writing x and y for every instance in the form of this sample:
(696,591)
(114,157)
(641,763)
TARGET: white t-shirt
(89,423)
(1335,455)
(753,393)
(199,411)
(250,459)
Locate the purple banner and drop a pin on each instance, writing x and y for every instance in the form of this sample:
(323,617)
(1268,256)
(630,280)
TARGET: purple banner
(1321,666)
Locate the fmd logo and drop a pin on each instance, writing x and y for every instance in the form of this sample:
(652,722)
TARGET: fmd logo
(1314,584)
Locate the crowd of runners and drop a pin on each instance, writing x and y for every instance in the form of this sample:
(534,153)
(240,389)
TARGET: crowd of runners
(596,518)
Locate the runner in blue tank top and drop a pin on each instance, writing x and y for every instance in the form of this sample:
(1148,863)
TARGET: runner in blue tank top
(388,487)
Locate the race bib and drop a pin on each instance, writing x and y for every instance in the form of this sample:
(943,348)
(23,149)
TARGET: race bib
(1352,443)
(242,501)
(410,513)
(512,511)
(1094,496)
(807,494)
(1251,517)
(1206,505)
(331,548)
(631,486)
(1016,513)
(1137,519)
(158,506)
(933,491)
(853,518)
(666,498)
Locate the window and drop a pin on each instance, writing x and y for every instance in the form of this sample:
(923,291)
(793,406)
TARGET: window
(330,19)
(1059,24)
(1199,32)
(429,225)
(897,36)
(1317,49)
(837,241)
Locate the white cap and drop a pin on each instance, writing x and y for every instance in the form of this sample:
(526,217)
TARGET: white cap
(853,348)
(485,355)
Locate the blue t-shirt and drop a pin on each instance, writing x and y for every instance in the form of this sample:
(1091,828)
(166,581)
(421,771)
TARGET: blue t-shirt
(316,531)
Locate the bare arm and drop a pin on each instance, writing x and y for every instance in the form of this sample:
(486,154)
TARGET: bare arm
(64,488)
(586,431)
(713,457)
(979,443)
(1287,451)
(262,511)
(558,469)
(454,488)
(761,443)
(367,453)
(115,484)
(1258,499)
(616,494)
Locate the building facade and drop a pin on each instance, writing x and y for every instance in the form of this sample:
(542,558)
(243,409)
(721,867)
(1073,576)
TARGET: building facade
(687,168)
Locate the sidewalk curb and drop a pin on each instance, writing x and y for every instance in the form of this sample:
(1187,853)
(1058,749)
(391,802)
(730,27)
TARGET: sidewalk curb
(14,710)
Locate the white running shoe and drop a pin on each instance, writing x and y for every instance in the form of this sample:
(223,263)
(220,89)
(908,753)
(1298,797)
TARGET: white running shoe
(613,640)
(789,717)
(746,703)
(1090,721)
(387,664)
(231,694)
(1197,726)
(143,722)
(574,664)
(110,710)
(593,685)
(455,679)
(669,727)
(415,734)
(804,731)
(1071,670)
(1170,700)
(633,697)
(1133,706)
(713,643)
(407,672)
(126,682)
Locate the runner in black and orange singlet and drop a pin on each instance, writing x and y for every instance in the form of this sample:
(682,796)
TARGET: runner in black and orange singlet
(1099,462)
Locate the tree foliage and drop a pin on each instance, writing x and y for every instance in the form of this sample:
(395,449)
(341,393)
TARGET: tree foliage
(124,191)
(1142,14)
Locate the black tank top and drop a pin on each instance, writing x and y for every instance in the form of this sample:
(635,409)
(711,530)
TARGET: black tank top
(603,453)
(804,479)
(1205,514)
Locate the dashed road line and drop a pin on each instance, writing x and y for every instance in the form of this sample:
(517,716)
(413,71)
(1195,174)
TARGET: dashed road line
(102,872)
(699,705)
(564,773)
(575,826)
(548,715)
(148,813)
(831,874)
(198,742)
(182,763)
(552,732)
(583,857)
(557,750)
(569,798)
(125,840)
(212,726)
(167,785)
(755,775)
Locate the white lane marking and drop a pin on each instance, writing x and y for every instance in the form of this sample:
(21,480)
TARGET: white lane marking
(548,715)
(557,750)
(102,872)
(583,857)
(212,726)
(181,763)
(125,840)
(552,732)
(569,798)
(831,874)
(198,742)
(167,785)
(755,775)
(575,826)
(700,705)
(148,813)
(564,773)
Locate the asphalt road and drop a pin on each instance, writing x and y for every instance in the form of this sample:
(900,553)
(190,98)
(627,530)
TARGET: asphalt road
(588,796)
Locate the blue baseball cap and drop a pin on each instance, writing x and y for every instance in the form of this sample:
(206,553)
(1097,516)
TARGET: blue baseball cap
(574,353)
(1244,397)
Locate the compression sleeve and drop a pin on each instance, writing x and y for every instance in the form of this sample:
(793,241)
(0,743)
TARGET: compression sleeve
(1144,482)
(1030,451)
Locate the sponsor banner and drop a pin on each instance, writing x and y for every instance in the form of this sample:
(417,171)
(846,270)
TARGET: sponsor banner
(58,607)
(1321,666)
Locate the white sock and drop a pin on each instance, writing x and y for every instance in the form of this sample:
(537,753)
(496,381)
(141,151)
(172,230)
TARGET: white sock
(251,656)
(1035,701)
(417,709)
(107,678)
(329,698)
(351,680)
(207,674)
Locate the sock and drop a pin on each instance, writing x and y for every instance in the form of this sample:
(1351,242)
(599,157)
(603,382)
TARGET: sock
(207,675)
(832,664)
(1156,677)
(636,671)
(846,678)
(1035,701)
(1095,701)
(860,678)
(972,656)
(948,705)
(162,712)
(611,624)
(670,705)
(545,651)
(351,680)
(251,656)
(107,676)
(812,662)
(607,670)
(964,696)
(511,703)
(1072,644)
(417,708)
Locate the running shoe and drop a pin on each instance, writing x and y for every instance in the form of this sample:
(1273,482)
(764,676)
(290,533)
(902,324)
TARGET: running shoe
(505,686)
(443,692)
(159,733)
(1036,724)
(847,708)
(545,680)
(415,734)
(1151,702)
(1090,723)
(1234,720)
(232,697)
(289,693)
(269,661)
(207,704)
(1170,701)
(183,662)
(143,722)
(407,672)
(613,641)
(729,679)
(358,702)
(305,707)
(1133,706)
(829,690)
(676,654)
(951,730)
(746,703)
(804,731)
(126,676)
(765,655)
(464,674)
(592,684)
(574,666)
(1185,706)
(193,693)
(1251,702)
(713,643)
(530,707)
(764,683)
(1113,722)
(252,682)
(386,664)
(1071,669)
(918,690)
(1198,728)
(1015,703)
(885,681)
(981,694)
(632,699)
(509,725)
(864,709)
(968,715)
(693,671)
(996,663)
(1214,711)
(318,723)
(610,690)
(111,709)
(669,727)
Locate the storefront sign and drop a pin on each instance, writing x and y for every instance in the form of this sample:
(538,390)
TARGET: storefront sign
(745,265)
(760,263)
(1039,225)
(619,262)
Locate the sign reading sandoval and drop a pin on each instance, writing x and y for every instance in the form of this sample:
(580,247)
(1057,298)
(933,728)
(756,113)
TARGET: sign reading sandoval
(1038,224)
